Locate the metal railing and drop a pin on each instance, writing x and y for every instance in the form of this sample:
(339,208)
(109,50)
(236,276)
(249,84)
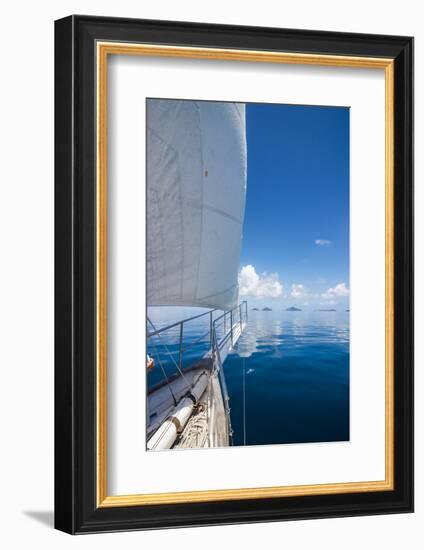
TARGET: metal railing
(224,325)
(219,330)
(178,329)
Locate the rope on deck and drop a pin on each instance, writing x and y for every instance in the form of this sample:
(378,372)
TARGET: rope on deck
(196,430)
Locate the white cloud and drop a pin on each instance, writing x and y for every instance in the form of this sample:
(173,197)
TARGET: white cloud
(339,291)
(298,290)
(322,242)
(259,286)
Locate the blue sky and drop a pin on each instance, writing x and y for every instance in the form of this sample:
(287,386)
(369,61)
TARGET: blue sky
(295,248)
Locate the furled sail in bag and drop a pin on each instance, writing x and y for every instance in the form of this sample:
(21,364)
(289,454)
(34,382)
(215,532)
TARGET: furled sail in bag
(196,189)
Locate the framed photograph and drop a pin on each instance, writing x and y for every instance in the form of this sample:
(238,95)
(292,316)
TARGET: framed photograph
(234,274)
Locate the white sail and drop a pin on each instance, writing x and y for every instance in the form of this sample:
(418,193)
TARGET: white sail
(196,188)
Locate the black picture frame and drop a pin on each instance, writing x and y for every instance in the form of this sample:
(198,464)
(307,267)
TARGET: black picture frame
(76,509)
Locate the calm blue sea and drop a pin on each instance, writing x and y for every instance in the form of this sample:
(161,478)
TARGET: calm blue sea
(287,378)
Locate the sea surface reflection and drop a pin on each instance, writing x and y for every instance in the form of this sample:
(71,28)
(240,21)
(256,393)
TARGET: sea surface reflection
(296,371)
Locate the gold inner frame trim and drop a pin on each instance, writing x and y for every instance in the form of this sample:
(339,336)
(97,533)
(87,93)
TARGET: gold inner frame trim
(103,50)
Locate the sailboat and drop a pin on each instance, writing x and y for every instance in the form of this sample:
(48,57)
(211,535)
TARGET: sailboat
(196,191)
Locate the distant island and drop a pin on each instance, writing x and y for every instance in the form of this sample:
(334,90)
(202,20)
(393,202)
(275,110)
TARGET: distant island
(266,309)
(348,310)
(292,308)
(326,310)
(255,309)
